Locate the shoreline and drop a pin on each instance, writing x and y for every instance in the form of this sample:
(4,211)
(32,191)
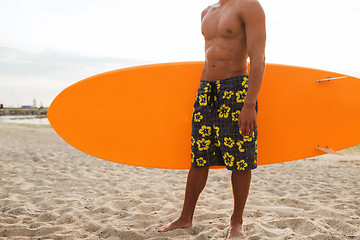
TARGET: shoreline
(23,111)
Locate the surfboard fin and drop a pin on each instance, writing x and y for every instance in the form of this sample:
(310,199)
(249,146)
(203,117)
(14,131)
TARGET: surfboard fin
(331,78)
(328,150)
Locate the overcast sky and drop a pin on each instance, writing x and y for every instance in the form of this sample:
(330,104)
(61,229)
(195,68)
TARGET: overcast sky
(46,45)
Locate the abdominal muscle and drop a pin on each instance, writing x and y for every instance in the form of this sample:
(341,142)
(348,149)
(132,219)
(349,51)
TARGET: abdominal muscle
(224,58)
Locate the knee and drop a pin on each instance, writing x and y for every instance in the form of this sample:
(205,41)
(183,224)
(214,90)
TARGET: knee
(241,173)
(199,169)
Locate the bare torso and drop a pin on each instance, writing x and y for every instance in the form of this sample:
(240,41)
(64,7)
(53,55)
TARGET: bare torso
(225,42)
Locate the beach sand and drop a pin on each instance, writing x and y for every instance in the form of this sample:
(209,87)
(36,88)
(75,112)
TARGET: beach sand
(49,190)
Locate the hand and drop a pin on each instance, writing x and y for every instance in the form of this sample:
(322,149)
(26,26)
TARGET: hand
(247,121)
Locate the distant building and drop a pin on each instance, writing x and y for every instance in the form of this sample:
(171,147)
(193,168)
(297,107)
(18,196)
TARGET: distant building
(1,106)
(27,106)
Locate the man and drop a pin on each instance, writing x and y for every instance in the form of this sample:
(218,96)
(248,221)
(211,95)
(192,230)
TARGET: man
(224,128)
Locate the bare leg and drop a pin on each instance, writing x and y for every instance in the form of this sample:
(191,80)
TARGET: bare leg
(196,182)
(240,184)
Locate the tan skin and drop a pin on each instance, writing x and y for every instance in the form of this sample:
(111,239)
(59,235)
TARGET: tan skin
(233,30)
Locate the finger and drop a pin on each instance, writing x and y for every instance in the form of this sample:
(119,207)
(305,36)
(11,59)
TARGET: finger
(241,127)
(245,129)
(251,128)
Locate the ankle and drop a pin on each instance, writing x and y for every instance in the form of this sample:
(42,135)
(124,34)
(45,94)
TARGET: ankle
(185,219)
(236,220)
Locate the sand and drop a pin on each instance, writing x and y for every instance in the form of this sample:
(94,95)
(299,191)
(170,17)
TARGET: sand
(49,190)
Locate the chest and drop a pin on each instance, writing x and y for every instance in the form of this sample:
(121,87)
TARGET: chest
(221,22)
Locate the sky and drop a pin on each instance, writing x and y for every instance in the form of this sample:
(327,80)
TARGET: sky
(47,45)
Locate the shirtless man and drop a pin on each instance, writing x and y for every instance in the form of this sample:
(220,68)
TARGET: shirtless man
(224,130)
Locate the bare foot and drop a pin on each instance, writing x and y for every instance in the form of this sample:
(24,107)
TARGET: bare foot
(179,223)
(236,231)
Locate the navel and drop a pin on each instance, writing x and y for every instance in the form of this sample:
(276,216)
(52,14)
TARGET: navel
(229,30)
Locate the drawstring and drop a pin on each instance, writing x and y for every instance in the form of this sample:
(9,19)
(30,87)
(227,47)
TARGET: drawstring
(213,93)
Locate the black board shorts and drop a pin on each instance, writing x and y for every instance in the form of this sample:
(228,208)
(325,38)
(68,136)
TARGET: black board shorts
(216,139)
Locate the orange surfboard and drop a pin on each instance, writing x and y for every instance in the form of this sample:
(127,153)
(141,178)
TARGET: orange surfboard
(142,115)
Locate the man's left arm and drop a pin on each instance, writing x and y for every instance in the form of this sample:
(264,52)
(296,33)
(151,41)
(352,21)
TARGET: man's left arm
(254,22)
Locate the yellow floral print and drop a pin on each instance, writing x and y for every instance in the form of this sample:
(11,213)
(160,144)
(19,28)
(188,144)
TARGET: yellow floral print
(245,82)
(205,131)
(192,157)
(218,85)
(228,142)
(203,144)
(198,117)
(240,96)
(256,146)
(207,88)
(216,129)
(192,141)
(228,159)
(201,162)
(203,100)
(217,143)
(240,143)
(248,138)
(235,116)
(224,111)
(241,165)
(228,94)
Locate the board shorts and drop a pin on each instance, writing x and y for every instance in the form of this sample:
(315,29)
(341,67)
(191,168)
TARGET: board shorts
(216,139)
